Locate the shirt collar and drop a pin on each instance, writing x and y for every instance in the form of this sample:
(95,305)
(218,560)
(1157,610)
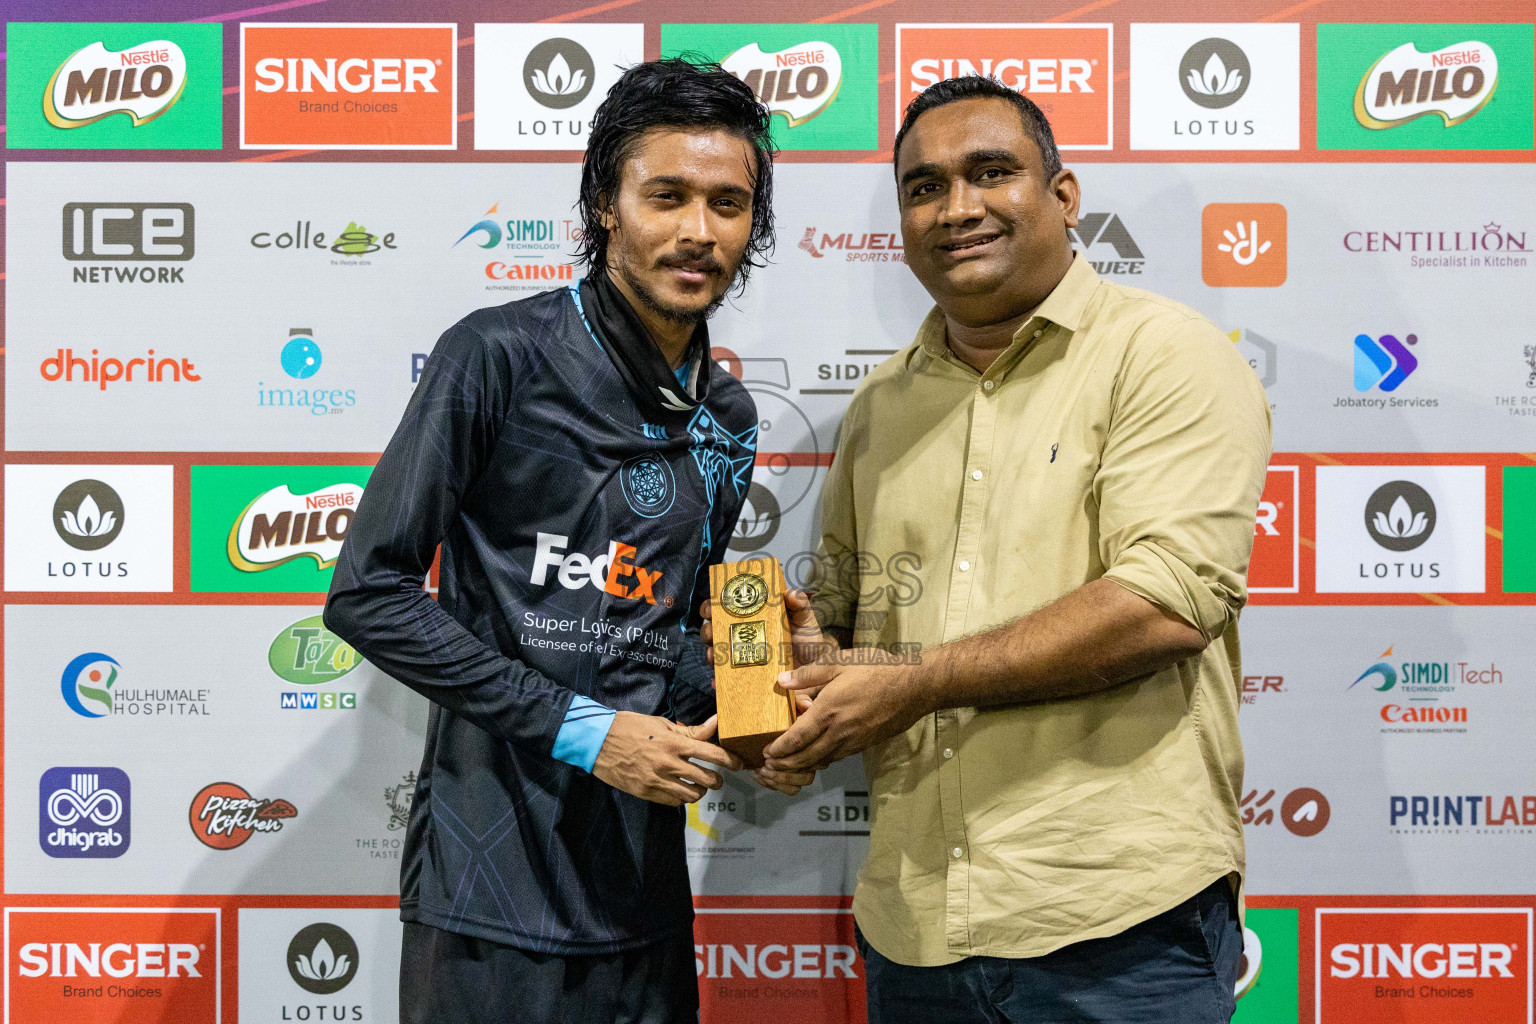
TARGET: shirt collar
(1066,305)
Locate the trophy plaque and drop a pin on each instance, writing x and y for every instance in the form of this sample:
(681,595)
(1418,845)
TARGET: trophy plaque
(752,646)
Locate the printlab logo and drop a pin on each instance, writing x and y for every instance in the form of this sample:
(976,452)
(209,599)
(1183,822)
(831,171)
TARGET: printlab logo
(1400,515)
(1106,230)
(88,515)
(84,812)
(559,73)
(1304,811)
(648,485)
(322,959)
(87,683)
(1243,245)
(1215,73)
(223,815)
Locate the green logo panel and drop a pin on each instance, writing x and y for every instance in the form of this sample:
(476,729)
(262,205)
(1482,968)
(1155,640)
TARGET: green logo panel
(818,80)
(270,529)
(1443,96)
(90,85)
(1271,996)
(307,653)
(1519,530)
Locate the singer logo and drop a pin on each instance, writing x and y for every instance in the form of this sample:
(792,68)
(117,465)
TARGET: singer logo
(766,968)
(348,86)
(1273,569)
(1243,245)
(1455,965)
(606,572)
(128,966)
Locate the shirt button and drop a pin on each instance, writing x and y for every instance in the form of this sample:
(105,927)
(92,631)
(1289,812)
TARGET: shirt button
(949,752)
(975,474)
(989,384)
(965,566)
(957,853)
(1037,334)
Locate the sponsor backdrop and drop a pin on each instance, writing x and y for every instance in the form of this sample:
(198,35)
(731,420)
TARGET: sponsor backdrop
(233,235)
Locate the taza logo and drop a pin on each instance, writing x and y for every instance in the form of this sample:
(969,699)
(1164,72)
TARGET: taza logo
(88,515)
(1214,73)
(1454,82)
(223,815)
(90,677)
(322,958)
(1400,515)
(280,526)
(95,82)
(558,73)
(307,653)
(84,812)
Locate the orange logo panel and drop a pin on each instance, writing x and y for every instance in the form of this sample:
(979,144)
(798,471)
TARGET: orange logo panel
(1066,69)
(777,968)
(348,86)
(1273,566)
(112,967)
(1430,967)
(1242,245)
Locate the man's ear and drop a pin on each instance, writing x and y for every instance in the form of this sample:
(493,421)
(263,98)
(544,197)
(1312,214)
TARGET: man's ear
(606,215)
(1068,193)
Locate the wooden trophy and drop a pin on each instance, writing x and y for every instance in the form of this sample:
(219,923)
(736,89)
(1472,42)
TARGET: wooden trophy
(752,646)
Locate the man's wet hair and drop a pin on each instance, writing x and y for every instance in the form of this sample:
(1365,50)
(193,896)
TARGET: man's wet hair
(681,95)
(970,87)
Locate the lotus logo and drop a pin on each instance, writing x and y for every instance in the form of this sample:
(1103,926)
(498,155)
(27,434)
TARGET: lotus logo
(88,515)
(1214,73)
(759,522)
(558,73)
(1400,515)
(322,958)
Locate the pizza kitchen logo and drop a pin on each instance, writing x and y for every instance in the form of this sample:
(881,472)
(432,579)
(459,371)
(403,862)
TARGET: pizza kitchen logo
(279,527)
(224,816)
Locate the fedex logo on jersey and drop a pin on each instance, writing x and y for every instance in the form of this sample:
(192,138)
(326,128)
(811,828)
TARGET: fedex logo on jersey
(606,572)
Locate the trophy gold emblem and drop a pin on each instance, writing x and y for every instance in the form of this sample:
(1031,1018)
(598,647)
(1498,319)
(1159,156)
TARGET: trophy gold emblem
(751,633)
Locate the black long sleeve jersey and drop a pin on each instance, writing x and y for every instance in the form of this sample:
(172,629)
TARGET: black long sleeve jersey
(576,520)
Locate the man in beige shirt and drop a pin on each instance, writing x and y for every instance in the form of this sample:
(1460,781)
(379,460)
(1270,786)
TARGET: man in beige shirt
(1052,748)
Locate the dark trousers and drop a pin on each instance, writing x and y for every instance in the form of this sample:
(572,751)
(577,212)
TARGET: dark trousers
(446,978)
(1176,968)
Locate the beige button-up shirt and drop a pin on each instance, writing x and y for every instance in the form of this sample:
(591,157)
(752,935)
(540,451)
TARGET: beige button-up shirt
(1120,436)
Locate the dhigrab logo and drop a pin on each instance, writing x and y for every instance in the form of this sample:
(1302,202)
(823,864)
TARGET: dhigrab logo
(610,572)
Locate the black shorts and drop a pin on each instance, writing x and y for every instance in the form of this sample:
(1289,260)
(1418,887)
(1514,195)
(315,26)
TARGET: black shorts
(446,978)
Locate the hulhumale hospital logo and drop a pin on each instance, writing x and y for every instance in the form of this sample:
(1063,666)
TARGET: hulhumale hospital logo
(87,684)
(1400,515)
(1214,73)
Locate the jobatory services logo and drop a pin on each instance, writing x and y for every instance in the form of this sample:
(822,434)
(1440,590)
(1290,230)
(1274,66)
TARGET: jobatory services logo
(538,86)
(524,254)
(1243,245)
(1416,86)
(1215,86)
(1103,234)
(89,686)
(84,812)
(363,86)
(224,816)
(819,81)
(300,360)
(307,654)
(126,965)
(270,528)
(1274,567)
(1442,965)
(1303,811)
(1400,529)
(322,959)
(1066,69)
(152,239)
(126,85)
(1383,363)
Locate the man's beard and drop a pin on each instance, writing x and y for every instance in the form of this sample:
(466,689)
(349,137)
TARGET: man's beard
(655,303)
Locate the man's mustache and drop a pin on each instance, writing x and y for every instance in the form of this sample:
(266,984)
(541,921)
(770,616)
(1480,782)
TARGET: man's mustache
(685,260)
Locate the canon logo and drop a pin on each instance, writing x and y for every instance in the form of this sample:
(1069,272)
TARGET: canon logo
(800,960)
(117,960)
(1426,960)
(305,74)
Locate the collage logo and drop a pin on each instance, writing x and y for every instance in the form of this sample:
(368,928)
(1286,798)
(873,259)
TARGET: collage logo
(132,85)
(1243,245)
(534,252)
(1304,812)
(538,87)
(325,86)
(1066,69)
(1214,87)
(223,815)
(84,812)
(1424,86)
(300,358)
(308,654)
(1105,233)
(1445,964)
(133,233)
(322,959)
(818,81)
(349,245)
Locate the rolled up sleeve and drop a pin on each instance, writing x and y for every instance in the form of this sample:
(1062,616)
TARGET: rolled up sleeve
(1181,472)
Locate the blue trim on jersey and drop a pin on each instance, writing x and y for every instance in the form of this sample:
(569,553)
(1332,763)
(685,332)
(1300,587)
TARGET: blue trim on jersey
(575,290)
(582,734)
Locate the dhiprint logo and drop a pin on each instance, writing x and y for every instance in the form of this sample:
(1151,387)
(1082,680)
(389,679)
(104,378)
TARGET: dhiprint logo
(95,82)
(322,959)
(1400,515)
(1243,245)
(559,73)
(223,815)
(1454,82)
(88,515)
(797,83)
(1215,73)
(84,812)
(87,684)
(1383,362)
(648,485)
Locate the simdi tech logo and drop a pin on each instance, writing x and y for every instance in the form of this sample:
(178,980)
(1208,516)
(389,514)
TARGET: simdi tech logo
(130,85)
(818,81)
(539,86)
(1424,86)
(328,86)
(126,965)
(1243,245)
(1215,87)
(1066,69)
(1435,965)
(270,528)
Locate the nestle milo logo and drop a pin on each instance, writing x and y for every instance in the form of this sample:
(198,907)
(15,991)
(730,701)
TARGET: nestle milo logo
(307,653)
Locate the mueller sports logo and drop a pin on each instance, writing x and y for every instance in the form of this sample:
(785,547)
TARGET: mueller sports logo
(224,816)
(280,526)
(855,246)
(1423,963)
(1385,362)
(348,86)
(1304,812)
(132,233)
(84,812)
(798,82)
(610,572)
(141,82)
(1106,232)
(1066,69)
(1454,82)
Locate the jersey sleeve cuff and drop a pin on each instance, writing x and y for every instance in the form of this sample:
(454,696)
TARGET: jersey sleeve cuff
(582,733)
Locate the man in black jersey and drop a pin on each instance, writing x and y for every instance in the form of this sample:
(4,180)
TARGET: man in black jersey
(581,460)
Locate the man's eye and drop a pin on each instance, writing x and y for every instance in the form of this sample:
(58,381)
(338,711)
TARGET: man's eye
(992,173)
